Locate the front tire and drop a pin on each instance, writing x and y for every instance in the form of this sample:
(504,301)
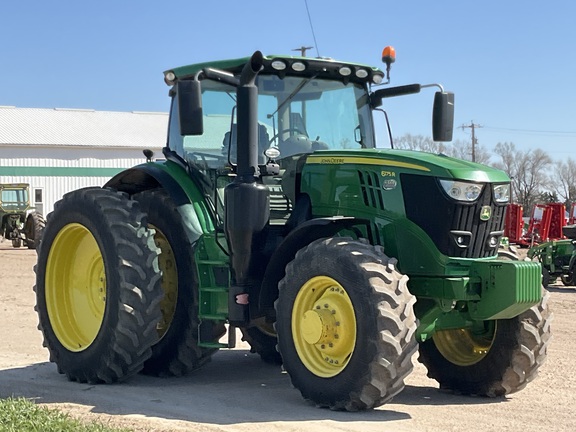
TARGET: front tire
(500,361)
(98,286)
(345,324)
(176,352)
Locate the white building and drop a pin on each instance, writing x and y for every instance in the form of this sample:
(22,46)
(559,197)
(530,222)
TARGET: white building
(60,150)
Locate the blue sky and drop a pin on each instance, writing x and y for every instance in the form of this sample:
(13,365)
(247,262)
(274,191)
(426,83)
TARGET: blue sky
(511,64)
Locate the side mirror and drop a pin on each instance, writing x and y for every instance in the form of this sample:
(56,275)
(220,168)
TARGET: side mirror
(443,116)
(189,98)
(378,95)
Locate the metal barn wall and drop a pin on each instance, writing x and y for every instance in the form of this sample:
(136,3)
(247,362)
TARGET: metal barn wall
(56,170)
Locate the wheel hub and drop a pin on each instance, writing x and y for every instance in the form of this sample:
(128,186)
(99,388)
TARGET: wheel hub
(318,327)
(324,326)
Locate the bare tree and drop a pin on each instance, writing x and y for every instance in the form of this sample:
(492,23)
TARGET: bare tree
(528,171)
(458,149)
(463,150)
(564,180)
(420,143)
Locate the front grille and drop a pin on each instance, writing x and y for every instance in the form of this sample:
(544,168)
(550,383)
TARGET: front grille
(445,220)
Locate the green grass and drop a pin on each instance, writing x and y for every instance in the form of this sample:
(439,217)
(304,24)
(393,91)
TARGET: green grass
(21,415)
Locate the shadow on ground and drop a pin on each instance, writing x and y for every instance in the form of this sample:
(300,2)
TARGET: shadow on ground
(236,387)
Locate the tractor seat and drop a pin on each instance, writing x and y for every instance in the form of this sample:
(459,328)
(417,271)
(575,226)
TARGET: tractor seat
(230,139)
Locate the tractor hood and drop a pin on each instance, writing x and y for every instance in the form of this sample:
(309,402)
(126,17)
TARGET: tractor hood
(437,165)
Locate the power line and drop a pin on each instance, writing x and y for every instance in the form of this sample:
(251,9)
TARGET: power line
(473,127)
(531,131)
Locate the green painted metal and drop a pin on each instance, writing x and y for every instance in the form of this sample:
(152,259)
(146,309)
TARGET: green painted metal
(330,179)
(201,217)
(522,280)
(495,289)
(398,161)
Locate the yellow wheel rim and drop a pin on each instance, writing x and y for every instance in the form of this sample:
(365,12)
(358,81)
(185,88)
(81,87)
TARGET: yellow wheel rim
(169,282)
(324,326)
(75,287)
(463,347)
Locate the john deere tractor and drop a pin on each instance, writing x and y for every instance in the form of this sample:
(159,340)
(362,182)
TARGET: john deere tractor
(273,212)
(18,221)
(557,257)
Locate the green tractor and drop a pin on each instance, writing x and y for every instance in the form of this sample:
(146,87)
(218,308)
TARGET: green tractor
(272,212)
(18,222)
(558,258)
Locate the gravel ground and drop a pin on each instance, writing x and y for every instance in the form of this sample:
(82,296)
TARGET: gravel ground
(237,392)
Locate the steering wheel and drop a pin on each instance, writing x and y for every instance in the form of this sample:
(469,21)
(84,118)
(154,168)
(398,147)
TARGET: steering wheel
(201,158)
(292,129)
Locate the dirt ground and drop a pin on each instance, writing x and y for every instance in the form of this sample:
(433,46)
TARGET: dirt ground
(237,392)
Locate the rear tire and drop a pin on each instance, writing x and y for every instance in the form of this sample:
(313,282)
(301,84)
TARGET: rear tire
(98,286)
(33,229)
(345,324)
(176,352)
(501,362)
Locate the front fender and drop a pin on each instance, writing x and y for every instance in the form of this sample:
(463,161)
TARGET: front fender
(299,237)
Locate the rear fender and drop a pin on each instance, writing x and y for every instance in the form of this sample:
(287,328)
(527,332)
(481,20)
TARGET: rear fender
(192,205)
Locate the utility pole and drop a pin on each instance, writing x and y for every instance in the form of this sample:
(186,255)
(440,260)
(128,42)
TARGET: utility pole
(472,126)
(302,50)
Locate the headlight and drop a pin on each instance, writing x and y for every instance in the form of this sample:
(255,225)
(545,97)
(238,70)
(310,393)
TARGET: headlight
(462,191)
(502,193)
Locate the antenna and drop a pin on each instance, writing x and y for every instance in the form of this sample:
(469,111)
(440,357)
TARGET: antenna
(312,28)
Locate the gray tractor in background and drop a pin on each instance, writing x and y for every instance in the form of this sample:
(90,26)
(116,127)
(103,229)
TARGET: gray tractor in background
(19,223)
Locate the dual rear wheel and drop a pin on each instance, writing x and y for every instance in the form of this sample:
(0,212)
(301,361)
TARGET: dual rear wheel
(116,287)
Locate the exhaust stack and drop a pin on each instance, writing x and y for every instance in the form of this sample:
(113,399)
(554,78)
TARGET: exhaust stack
(246,200)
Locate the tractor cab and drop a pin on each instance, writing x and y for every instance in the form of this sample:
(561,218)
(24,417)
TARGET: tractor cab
(303,105)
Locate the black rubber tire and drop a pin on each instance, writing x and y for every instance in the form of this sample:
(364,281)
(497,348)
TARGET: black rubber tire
(129,261)
(33,228)
(17,242)
(385,324)
(262,343)
(177,352)
(567,280)
(518,350)
(546,278)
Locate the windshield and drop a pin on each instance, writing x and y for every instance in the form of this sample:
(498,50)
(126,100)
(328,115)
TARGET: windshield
(14,199)
(296,115)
